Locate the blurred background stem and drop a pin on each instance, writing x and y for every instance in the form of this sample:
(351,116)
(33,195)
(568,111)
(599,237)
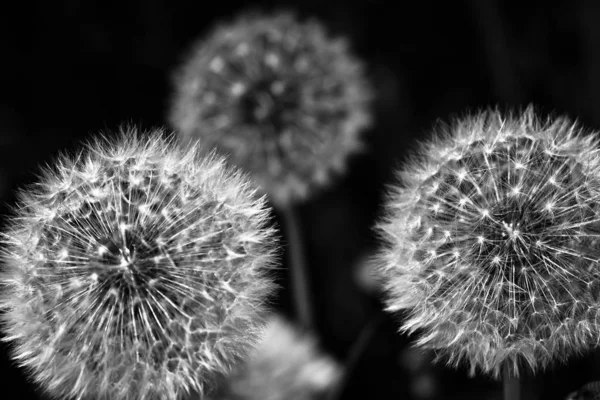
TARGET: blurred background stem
(358,349)
(495,45)
(298,270)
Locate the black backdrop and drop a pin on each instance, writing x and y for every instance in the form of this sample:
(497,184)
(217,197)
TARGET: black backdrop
(69,69)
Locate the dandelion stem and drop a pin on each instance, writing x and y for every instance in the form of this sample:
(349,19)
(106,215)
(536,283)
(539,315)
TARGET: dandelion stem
(297,267)
(358,348)
(511,386)
(494,39)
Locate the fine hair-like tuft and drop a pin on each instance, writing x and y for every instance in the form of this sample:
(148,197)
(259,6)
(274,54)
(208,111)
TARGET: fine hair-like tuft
(136,270)
(491,242)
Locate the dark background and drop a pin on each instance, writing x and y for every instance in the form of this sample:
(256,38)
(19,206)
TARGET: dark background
(69,69)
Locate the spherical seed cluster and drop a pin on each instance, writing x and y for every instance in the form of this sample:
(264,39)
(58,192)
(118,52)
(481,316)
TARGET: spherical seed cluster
(286,365)
(493,242)
(589,391)
(136,270)
(284,100)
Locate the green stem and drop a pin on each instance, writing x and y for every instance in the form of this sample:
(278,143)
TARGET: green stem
(297,267)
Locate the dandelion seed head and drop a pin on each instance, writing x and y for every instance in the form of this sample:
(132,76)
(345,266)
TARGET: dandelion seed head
(589,391)
(511,274)
(136,270)
(286,365)
(281,98)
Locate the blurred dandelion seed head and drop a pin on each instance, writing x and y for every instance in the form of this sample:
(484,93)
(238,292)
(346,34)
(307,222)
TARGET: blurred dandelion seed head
(492,242)
(286,365)
(136,270)
(281,98)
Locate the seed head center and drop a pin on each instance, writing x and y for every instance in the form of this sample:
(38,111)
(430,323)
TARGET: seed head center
(512,230)
(266,101)
(125,258)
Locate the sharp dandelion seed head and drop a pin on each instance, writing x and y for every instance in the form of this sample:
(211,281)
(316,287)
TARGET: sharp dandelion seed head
(284,100)
(136,270)
(511,274)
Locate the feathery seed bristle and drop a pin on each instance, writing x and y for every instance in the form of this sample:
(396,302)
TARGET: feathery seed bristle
(492,242)
(136,270)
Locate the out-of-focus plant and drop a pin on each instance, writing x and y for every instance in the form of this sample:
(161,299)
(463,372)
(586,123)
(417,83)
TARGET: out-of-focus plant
(492,243)
(286,365)
(423,383)
(136,270)
(285,101)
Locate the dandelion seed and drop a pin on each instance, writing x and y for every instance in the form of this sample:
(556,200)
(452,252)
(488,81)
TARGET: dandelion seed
(133,294)
(522,295)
